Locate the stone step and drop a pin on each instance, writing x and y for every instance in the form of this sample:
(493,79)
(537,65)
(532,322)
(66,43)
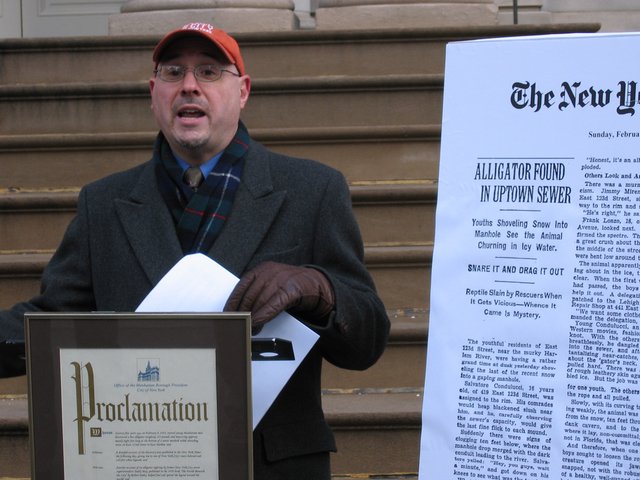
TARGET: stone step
(337,101)
(35,220)
(13,386)
(20,274)
(395,213)
(269,54)
(14,437)
(38,219)
(367,153)
(401,274)
(377,432)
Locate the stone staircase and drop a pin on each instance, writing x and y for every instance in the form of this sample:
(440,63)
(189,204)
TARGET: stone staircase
(366,102)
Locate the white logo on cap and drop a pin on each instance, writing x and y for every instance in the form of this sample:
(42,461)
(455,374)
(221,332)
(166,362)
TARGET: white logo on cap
(201,27)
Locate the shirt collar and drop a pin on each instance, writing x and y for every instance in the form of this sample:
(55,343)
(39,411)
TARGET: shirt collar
(205,168)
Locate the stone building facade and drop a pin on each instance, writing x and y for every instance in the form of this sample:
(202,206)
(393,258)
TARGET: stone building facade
(56,18)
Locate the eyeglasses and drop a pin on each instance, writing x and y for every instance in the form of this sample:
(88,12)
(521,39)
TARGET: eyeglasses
(203,73)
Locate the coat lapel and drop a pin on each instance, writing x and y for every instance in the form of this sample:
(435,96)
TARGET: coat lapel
(151,231)
(149,226)
(255,207)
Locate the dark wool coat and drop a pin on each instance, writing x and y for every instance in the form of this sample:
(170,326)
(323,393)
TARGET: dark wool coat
(123,241)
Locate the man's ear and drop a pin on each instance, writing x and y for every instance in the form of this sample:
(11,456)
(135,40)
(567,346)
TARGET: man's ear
(245,89)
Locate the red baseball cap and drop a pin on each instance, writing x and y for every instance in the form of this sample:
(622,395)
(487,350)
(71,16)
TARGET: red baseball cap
(221,39)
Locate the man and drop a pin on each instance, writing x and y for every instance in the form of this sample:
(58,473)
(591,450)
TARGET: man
(284,225)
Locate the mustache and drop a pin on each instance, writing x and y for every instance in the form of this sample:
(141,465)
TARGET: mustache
(189,103)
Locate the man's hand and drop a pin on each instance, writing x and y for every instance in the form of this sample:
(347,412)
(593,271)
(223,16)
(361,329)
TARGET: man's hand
(272,287)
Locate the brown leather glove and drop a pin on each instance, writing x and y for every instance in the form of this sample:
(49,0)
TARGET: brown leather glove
(272,288)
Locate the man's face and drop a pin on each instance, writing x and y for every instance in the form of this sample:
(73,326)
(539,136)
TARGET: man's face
(198,119)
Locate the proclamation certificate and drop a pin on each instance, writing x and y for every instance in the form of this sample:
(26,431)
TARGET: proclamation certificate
(139,413)
(533,362)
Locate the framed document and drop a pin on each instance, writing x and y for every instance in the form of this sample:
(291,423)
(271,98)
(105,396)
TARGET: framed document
(122,396)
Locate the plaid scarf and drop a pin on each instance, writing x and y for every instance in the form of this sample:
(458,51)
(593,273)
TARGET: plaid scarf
(200,215)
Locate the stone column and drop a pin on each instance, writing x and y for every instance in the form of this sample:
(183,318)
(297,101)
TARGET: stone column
(155,17)
(305,11)
(369,14)
(613,15)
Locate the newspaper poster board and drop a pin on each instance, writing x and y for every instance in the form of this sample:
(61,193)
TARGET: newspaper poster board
(534,340)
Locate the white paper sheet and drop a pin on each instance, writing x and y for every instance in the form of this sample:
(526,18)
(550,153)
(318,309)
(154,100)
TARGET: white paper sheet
(199,284)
